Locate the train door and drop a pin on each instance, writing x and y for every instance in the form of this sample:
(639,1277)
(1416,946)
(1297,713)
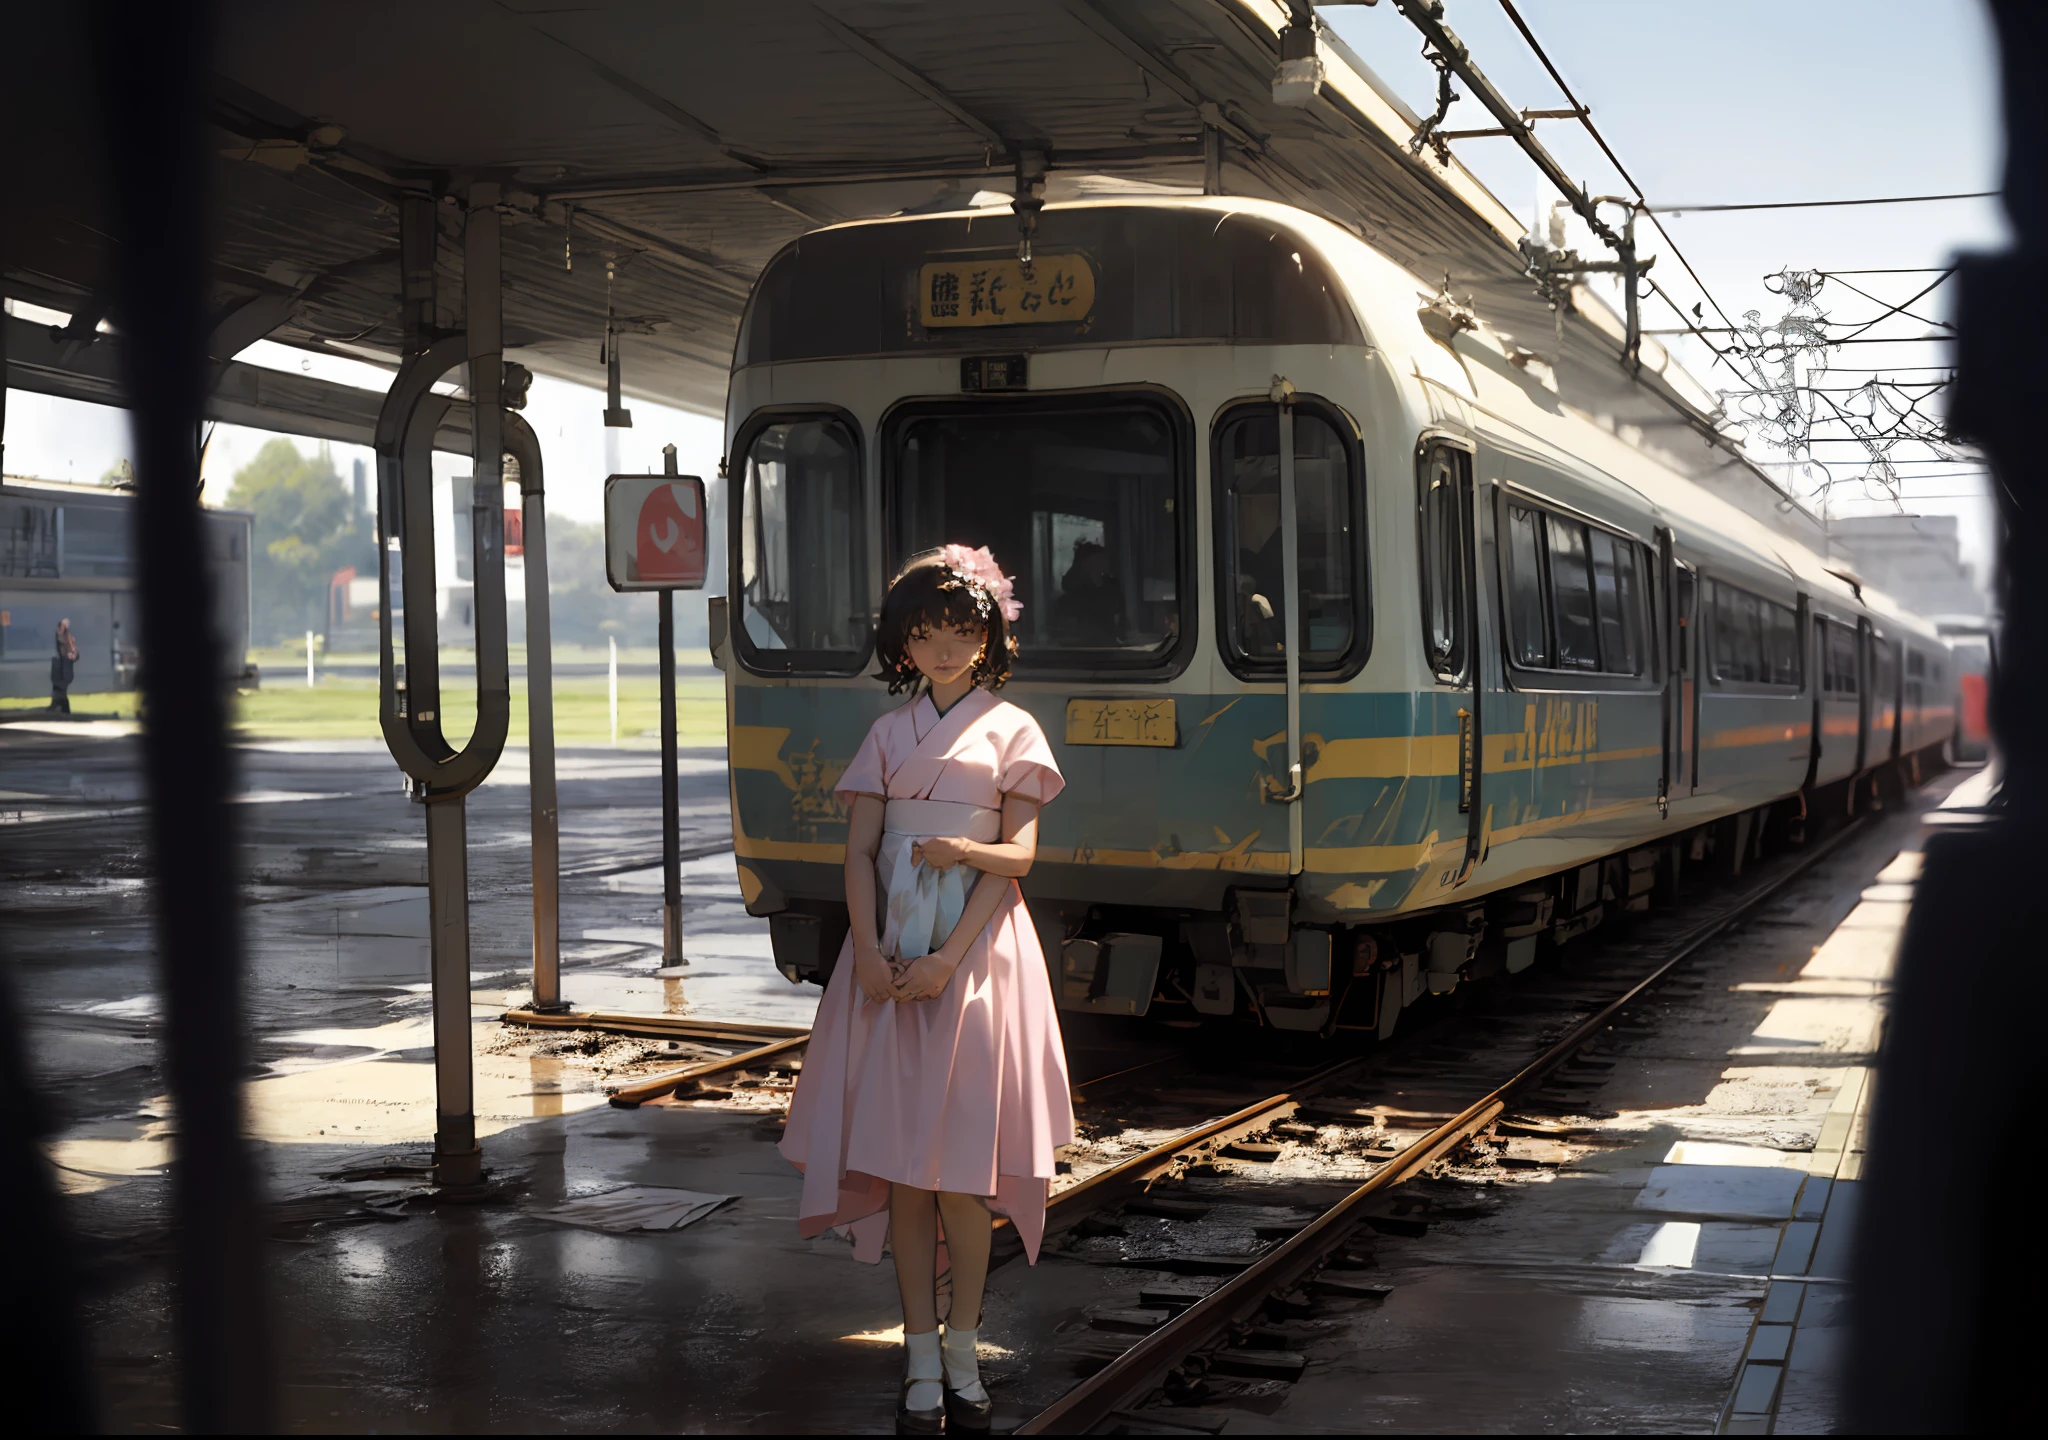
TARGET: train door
(1692,656)
(1838,708)
(1814,638)
(1866,654)
(1677,589)
(1448,521)
(1913,701)
(1886,712)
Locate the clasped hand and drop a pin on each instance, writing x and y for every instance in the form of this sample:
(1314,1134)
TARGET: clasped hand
(924,978)
(941,852)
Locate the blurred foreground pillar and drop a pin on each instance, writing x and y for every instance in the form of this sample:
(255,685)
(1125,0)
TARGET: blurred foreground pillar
(154,63)
(1947,1272)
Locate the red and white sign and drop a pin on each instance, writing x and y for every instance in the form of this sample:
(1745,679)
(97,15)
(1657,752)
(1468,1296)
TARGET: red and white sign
(655,532)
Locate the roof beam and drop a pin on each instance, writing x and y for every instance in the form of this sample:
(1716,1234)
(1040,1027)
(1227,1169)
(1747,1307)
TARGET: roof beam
(1092,15)
(658,103)
(697,182)
(244,394)
(911,78)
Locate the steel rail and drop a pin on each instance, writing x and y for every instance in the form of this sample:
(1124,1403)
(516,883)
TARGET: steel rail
(1126,1380)
(660,1027)
(1138,1171)
(631,1097)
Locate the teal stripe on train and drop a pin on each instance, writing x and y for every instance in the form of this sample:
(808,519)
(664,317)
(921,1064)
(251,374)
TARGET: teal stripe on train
(1375,787)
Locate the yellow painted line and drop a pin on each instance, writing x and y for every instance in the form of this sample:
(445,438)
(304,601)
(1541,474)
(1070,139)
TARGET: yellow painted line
(1757,735)
(1436,757)
(1374,859)
(1386,757)
(1236,858)
(759,747)
(749,848)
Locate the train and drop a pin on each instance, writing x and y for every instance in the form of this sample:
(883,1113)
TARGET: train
(1536,672)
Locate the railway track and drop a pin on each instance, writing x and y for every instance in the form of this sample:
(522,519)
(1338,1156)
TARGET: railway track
(1283,1280)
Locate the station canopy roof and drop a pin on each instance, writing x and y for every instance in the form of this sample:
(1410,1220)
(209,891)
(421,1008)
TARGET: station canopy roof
(654,157)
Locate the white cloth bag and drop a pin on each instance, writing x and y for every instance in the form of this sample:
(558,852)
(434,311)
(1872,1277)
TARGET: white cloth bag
(921,905)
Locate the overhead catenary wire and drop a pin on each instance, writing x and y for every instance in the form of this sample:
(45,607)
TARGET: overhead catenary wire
(1585,118)
(1812,204)
(1894,310)
(1899,309)
(1750,352)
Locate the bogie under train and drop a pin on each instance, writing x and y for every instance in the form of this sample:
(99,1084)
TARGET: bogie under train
(1538,673)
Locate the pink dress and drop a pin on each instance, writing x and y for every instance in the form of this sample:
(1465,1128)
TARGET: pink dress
(967,1092)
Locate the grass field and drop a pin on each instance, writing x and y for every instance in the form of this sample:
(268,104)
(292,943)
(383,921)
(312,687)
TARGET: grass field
(342,708)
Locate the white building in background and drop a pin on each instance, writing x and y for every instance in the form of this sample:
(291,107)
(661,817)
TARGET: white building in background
(1916,559)
(67,552)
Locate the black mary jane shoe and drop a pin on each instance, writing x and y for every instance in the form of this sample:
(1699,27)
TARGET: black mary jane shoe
(920,1422)
(962,1414)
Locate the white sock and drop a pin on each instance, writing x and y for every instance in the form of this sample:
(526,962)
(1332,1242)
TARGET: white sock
(963,1372)
(921,1353)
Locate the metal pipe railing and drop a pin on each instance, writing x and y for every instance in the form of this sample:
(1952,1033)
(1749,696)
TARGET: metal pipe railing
(439,776)
(524,448)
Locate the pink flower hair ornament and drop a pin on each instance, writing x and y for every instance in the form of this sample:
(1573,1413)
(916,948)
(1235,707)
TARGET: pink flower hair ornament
(977,570)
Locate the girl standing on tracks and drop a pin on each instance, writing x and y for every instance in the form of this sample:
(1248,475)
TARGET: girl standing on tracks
(935,1087)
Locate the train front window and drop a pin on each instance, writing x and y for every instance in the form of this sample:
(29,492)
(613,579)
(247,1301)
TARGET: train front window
(1251,578)
(803,589)
(1078,501)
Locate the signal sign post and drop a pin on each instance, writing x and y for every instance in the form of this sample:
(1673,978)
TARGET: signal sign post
(655,536)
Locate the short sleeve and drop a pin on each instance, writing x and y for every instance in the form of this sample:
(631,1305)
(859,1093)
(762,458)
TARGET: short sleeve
(1029,771)
(864,775)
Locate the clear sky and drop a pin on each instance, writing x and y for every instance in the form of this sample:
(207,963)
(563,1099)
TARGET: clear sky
(1732,101)
(1754,100)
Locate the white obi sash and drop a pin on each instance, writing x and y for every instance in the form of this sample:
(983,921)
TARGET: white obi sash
(921,905)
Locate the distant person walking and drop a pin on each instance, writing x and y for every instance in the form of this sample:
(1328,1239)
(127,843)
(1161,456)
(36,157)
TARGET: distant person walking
(63,665)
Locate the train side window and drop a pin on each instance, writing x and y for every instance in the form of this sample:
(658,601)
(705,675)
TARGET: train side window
(1738,638)
(1527,613)
(1571,593)
(1838,658)
(1756,641)
(1328,535)
(1687,618)
(1444,518)
(1781,644)
(803,595)
(1618,598)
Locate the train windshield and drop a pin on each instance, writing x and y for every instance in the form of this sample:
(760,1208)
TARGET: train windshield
(1079,502)
(804,590)
(1253,579)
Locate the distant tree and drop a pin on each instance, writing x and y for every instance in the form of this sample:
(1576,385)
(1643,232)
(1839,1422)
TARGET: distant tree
(305,530)
(583,607)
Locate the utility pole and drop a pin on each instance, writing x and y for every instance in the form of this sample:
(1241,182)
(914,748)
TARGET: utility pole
(671,802)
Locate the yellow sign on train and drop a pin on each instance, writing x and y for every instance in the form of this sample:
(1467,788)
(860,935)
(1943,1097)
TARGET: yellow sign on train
(1051,289)
(1122,722)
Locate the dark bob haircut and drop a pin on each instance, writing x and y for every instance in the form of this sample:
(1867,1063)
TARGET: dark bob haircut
(926,595)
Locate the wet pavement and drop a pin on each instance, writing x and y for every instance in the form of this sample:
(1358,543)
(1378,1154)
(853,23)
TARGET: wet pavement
(1608,1279)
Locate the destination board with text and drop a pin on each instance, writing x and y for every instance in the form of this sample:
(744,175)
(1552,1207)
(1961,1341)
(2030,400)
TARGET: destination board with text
(1051,289)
